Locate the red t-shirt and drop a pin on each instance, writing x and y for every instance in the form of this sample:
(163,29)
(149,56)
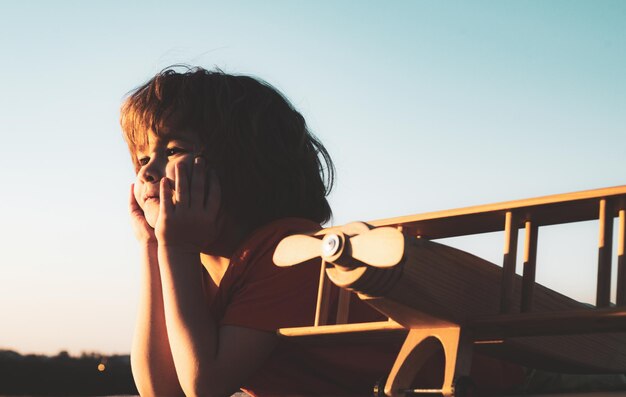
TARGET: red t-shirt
(254,293)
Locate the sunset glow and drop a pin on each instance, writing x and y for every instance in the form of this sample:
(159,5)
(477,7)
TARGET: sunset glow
(423,106)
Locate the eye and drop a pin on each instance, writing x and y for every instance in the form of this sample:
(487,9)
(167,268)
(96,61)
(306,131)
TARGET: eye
(143,160)
(172,151)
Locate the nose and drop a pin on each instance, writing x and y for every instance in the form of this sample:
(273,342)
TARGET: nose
(151,172)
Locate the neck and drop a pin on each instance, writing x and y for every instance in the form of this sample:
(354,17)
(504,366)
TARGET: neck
(216,256)
(230,237)
(216,266)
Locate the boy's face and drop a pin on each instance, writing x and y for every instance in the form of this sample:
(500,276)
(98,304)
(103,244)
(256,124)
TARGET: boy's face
(158,160)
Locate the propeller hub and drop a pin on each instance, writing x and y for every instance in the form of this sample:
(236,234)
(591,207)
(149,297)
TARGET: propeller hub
(331,244)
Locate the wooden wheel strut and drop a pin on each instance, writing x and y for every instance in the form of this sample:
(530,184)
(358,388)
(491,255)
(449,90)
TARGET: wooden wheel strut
(420,345)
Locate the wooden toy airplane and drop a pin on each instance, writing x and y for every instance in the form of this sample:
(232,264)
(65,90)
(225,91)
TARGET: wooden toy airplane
(438,297)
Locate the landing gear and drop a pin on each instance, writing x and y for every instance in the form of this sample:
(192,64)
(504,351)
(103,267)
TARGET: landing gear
(462,386)
(379,388)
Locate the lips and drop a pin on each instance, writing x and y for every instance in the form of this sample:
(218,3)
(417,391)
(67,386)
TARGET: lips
(148,197)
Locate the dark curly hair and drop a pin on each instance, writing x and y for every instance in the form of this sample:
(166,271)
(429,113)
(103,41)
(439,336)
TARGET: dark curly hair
(269,164)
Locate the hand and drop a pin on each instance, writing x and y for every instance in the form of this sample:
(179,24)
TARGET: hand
(188,214)
(143,232)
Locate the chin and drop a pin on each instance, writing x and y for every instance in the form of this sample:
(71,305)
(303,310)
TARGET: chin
(152,219)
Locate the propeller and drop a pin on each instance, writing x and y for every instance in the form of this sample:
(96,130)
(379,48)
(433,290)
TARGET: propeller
(296,249)
(379,247)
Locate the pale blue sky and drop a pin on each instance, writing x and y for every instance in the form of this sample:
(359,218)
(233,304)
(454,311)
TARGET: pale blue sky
(424,105)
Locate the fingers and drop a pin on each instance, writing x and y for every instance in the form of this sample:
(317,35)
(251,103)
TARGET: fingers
(198,181)
(166,195)
(190,190)
(133,205)
(181,185)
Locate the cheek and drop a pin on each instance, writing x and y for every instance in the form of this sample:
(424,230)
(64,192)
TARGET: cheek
(137,190)
(170,169)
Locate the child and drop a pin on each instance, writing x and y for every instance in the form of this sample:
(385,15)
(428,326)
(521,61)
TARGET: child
(225,169)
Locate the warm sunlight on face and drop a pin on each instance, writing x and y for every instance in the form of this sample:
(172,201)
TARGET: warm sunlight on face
(158,160)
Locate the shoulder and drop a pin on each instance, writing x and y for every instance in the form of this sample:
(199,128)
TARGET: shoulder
(257,294)
(267,237)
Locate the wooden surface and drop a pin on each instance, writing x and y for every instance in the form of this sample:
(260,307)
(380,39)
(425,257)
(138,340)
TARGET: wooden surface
(323,297)
(436,284)
(508,263)
(548,210)
(342,329)
(452,285)
(605,249)
(621,259)
(530,265)
(548,323)
(348,334)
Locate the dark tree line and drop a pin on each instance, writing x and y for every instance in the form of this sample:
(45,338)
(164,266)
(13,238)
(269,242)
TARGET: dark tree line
(63,375)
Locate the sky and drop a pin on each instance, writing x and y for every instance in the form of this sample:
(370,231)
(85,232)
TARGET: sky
(423,105)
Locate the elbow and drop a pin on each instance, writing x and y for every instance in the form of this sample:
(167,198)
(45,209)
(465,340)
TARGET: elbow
(141,377)
(206,385)
(153,383)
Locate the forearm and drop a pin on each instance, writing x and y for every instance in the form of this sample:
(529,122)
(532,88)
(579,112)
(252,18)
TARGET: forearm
(151,356)
(190,325)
